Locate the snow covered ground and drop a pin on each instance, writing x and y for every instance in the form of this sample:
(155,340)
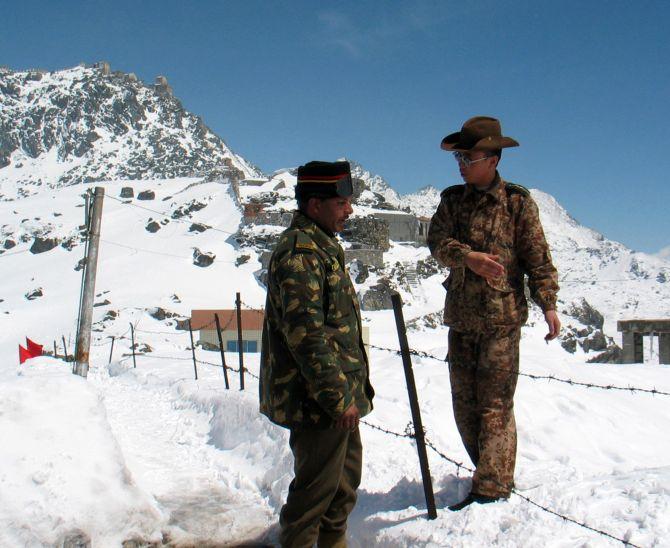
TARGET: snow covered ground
(151,454)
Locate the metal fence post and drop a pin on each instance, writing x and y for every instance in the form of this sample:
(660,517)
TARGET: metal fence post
(195,365)
(240,349)
(132,339)
(111,351)
(414,406)
(223,354)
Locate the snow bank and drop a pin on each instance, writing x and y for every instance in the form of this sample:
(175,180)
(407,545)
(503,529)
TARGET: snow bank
(61,469)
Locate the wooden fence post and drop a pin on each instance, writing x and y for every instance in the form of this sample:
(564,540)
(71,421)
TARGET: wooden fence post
(223,354)
(240,349)
(195,365)
(414,406)
(55,350)
(65,348)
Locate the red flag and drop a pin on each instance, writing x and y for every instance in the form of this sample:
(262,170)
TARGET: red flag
(24,354)
(34,348)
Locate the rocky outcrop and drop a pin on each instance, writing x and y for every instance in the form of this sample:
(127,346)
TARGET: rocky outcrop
(585,313)
(202,258)
(112,124)
(146,195)
(367,232)
(41,244)
(378,297)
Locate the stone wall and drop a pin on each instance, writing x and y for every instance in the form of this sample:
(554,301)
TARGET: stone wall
(367,233)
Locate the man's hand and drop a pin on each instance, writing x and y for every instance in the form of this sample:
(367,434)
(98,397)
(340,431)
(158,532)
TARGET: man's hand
(554,324)
(349,419)
(484,264)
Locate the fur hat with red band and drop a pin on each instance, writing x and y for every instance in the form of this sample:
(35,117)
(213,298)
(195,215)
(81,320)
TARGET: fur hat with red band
(324,180)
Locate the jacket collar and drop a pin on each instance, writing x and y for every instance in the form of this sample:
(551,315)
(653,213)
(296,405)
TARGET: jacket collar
(496,190)
(321,238)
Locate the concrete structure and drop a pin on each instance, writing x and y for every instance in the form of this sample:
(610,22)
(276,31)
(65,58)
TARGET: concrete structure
(424,224)
(404,227)
(252,328)
(634,330)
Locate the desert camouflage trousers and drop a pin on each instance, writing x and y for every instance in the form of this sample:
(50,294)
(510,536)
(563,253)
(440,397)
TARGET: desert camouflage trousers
(483,370)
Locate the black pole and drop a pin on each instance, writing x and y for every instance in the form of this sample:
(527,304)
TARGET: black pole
(240,350)
(111,351)
(195,365)
(65,348)
(414,406)
(55,351)
(132,338)
(223,354)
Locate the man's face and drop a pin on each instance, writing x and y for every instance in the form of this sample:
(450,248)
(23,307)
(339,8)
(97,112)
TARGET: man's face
(330,213)
(481,169)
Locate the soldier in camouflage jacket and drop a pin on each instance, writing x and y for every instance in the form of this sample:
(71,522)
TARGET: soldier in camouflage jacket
(314,368)
(488,233)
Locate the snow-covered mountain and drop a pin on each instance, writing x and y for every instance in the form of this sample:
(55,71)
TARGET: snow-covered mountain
(90,124)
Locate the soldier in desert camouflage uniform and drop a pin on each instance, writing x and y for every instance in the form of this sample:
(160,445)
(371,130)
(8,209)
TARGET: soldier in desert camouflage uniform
(314,369)
(488,232)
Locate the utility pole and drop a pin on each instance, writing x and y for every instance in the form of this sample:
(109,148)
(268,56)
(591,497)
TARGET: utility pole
(88,292)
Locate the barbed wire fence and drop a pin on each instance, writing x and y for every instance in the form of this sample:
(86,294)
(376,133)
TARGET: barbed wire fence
(408,434)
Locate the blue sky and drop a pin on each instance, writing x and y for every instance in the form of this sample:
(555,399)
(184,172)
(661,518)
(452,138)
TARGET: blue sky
(583,86)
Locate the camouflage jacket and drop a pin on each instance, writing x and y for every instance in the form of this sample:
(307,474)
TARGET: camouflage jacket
(313,363)
(504,221)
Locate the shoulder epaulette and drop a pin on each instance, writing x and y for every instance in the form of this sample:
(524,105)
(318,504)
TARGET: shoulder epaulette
(303,243)
(456,189)
(513,188)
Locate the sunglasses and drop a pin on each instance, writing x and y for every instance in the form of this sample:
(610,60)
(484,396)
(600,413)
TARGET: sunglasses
(465,160)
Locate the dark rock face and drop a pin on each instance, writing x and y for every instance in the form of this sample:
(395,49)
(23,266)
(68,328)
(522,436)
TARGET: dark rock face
(9,244)
(427,268)
(611,355)
(70,111)
(197,227)
(586,314)
(32,295)
(597,341)
(40,245)
(378,297)
(242,259)
(569,344)
(103,303)
(202,259)
(187,209)
(359,271)
(146,195)
(127,192)
(153,226)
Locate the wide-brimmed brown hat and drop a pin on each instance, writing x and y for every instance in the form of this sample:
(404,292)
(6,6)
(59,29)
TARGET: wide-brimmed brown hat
(478,133)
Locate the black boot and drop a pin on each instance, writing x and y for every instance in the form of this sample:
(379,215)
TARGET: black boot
(473,497)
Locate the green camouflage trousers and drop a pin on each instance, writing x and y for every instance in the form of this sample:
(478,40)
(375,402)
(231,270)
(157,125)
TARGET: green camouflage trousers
(483,370)
(327,468)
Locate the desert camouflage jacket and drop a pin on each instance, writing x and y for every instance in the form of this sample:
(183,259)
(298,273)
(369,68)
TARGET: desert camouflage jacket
(313,363)
(504,221)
